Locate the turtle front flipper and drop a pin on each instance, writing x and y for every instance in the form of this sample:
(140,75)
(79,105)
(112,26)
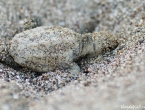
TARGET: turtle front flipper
(74,68)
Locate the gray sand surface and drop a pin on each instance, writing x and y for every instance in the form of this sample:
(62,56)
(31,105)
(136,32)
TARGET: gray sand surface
(115,80)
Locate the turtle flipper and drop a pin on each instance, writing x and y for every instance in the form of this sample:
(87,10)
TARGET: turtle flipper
(5,56)
(74,68)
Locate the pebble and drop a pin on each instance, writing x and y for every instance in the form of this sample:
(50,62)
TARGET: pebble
(1,70)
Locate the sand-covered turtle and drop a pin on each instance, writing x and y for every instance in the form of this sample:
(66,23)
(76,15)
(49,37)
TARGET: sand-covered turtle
(44,49)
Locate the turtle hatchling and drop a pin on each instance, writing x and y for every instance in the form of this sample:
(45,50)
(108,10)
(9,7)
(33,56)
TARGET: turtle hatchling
(45,49)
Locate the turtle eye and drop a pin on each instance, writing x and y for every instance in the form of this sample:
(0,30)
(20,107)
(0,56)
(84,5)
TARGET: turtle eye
(110,48)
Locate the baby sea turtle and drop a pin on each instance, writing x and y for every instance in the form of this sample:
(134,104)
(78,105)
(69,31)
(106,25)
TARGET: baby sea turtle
(44,49)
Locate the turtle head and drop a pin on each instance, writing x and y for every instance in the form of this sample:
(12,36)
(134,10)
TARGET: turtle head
(103,42)
(98,43)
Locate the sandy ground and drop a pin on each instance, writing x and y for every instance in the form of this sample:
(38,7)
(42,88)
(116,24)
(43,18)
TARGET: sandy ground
(112,83)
